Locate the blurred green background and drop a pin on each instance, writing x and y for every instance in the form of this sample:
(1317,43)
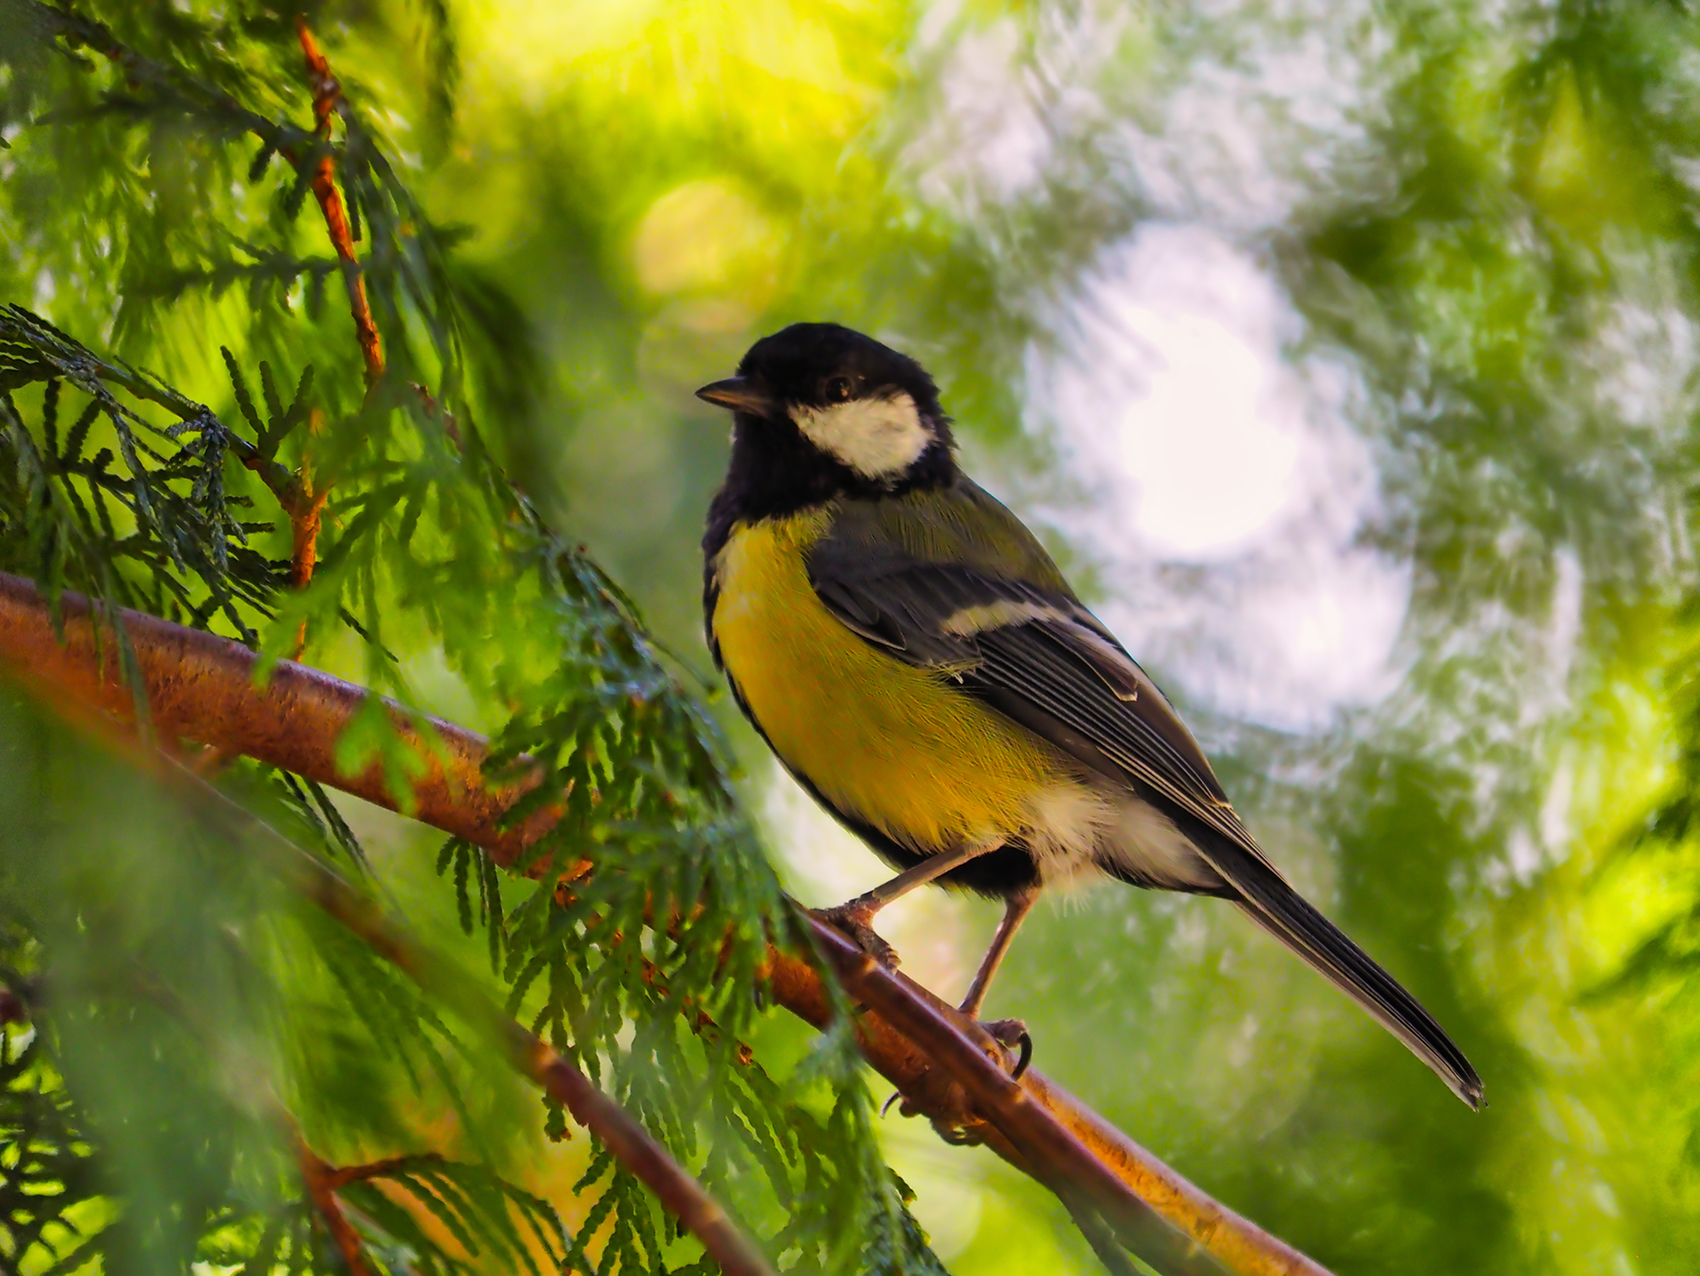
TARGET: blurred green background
(1347,353)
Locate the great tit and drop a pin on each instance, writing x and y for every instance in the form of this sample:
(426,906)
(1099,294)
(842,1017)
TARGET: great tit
(917,662)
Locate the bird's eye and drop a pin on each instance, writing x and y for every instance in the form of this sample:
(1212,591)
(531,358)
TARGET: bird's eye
(838,389)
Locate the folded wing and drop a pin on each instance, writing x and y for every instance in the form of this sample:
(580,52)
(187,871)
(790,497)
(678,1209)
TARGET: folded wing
(956,583)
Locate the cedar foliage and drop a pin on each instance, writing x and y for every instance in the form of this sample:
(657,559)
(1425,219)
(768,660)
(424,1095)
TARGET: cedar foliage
(185,1019)
(1485,225)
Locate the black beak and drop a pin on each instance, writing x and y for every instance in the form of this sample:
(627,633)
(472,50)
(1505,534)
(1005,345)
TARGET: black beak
(741,394)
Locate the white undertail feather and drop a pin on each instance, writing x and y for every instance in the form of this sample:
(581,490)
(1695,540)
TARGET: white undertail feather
(1077,825)
(878,437)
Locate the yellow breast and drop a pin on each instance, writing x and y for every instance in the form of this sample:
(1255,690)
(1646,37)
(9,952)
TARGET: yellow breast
(900,748)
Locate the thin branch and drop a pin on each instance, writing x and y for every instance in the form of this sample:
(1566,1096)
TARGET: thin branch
(438,976)
(340,1176)
(202,687)
(138,69)
(328,101)
(321,1191)
(304,517)
(699,1020)
(1040,1143)
(631,1145)
(318,1178)
(286,140)
(301,500)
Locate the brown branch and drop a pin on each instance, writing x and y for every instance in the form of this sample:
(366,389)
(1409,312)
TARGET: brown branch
(304,516)
(202,687)
(699,1020)
(301,499)
(320,1181)
(327,101)
(627,1140)
(631,1145)
(436,411)
(1029,1136)
(342,1175)
(677,1191)
(277,478)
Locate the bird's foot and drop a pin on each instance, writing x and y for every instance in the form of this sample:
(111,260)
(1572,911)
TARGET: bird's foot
(1014,1052)
(1013,1036)
(851,921)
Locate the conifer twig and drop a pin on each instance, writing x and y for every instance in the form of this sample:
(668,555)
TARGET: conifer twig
(631,1145)
(628,1142)
(202,687)
(340,1176)
(1052,1154)
(283,139)
(301,500)
(328,101)
(619,1132)
(318,1178)
(305,513)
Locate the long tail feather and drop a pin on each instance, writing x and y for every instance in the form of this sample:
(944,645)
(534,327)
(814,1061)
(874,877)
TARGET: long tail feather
(1287,915)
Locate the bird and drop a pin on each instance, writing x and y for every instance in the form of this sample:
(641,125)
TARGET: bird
(916,660)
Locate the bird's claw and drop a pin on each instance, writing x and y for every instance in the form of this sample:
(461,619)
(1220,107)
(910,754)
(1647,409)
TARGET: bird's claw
(956,1135)
(1012,1037)
(1012,1034)
(852,923)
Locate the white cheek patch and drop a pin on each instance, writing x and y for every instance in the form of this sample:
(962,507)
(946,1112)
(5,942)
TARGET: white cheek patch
(878,438)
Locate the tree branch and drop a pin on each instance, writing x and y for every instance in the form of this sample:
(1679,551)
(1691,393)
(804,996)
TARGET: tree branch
(340,1176)
(628,1142)
(284,139)
(631,1145)
(319,1180)
(302,501)
(327,101)
(201,686)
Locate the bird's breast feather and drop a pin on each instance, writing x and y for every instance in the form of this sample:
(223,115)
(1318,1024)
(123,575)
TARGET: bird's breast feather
(888,742)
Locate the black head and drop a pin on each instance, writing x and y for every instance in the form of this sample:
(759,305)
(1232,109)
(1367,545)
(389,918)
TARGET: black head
(820,411)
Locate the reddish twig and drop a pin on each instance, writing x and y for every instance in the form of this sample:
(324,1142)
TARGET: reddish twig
(202,687)
(327,101)
(341,1176)
(305,514)
(1043,1146)
(320,1181)
(435,410)
(629,1143)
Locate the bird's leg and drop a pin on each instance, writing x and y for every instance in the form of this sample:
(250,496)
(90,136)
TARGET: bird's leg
(1011,1033)
(852,917)
(1015,911)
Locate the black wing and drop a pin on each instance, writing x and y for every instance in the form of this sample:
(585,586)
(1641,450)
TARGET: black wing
(907,577)
(1019,639)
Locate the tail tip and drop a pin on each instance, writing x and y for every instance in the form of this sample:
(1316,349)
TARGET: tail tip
(1469,1088)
